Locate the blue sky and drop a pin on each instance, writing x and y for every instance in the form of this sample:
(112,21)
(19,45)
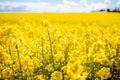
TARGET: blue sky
(56,5)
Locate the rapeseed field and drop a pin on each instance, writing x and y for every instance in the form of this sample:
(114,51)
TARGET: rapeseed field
(59,46)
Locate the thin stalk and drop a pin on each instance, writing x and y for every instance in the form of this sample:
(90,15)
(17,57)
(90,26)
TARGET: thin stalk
(11,59)
(18,54)
(51,51)
(66,53)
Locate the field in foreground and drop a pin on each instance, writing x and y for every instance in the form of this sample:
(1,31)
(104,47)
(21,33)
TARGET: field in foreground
(51,46)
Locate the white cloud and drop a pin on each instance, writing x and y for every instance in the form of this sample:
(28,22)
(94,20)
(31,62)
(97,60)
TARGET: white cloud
(97,6)
(66,6)
(92,6)
(28,6)
(83,3)
(12,4)
(107,1)
(118,3)
(63,6)
(1,6)
(39,6)
(70,2)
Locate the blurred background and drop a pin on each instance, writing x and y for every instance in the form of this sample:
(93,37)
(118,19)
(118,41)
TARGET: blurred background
(59,5)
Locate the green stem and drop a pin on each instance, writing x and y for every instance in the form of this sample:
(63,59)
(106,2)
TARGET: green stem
(19,60)
(51,51)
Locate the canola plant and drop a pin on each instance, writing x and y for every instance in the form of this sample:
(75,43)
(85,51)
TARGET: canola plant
(59,46)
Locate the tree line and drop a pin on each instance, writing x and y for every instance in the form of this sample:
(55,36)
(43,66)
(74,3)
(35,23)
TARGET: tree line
(110,10)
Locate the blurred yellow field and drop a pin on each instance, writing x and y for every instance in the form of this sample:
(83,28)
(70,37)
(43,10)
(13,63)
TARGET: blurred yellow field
(59,46)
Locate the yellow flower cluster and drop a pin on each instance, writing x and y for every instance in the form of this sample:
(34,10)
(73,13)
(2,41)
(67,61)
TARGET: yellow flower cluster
(65,46)
(104,73)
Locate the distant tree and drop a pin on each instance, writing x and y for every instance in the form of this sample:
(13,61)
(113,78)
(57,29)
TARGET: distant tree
(116,10)
(102,10)
(108,10)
